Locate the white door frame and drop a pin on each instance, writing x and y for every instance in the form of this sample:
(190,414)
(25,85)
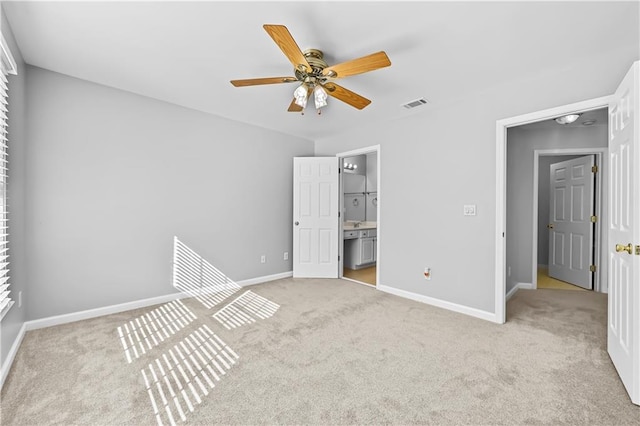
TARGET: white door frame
(359,151)
(501,187)
(599,233)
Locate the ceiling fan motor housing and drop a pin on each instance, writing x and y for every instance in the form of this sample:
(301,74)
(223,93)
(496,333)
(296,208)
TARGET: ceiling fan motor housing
(315,58)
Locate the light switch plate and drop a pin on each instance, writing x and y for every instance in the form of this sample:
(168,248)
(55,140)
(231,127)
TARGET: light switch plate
(469,209)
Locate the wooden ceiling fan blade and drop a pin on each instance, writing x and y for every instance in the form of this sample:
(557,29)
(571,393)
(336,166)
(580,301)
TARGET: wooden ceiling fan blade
(259,81)
(346,95)
(281,35)
(294,107)
(358,66)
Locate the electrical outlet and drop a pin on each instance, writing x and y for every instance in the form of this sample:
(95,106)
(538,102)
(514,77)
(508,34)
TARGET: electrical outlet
(427,274)
(469,210)
(263,259)
(20,299)
(286,255)
(509,271)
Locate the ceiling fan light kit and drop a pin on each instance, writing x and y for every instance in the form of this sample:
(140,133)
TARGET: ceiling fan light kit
(320,97)
(300,96)
(314,73)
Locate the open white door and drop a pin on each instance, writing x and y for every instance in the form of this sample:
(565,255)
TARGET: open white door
(572,188)
(624,232)
(316,223)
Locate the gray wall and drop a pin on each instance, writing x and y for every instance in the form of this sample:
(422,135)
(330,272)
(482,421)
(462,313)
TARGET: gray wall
(12,322)
(441,157)
(520,146)
(544,166)
(113,176)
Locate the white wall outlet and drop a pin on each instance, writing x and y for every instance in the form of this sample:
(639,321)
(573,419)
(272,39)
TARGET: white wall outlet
(469,210)
(263,259)
(20,299)
(286,255)
(509,271)
(427,274)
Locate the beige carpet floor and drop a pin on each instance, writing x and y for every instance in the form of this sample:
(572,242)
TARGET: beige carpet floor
(333,352)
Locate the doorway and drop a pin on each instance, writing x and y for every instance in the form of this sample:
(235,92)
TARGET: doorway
(503,272)
(569,200)
(360,215)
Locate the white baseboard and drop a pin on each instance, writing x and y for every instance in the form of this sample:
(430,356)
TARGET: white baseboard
(511,292)
(114,309)
(518,286)
(99,312)
(526,286)
(488,316)
(264,279)
(8,362)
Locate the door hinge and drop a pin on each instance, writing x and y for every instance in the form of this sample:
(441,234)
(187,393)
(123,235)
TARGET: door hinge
(594,169)
(592,268)
(338,258)
(338,214)
(594,219)
(638,250)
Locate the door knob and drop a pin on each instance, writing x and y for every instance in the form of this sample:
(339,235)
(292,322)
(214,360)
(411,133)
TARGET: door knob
(628,248)
(297,223)
(550,226)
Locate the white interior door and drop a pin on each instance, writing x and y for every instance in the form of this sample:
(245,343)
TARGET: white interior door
(570,229)
(623,336)
(316,223)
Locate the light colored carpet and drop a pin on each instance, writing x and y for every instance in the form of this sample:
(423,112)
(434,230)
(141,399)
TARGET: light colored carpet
(336,352)
(545,281)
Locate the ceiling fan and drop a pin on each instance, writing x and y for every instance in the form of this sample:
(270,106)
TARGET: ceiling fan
(315,75)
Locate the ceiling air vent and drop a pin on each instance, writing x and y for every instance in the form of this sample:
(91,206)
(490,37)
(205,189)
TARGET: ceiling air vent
(416,103)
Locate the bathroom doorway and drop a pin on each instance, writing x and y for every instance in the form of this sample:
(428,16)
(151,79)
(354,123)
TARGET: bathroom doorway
(360,213)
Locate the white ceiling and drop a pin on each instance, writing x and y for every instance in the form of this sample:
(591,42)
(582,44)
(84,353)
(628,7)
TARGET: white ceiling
(186,52)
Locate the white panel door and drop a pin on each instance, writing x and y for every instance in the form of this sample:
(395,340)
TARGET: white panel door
(571,230)
(315,217)
(623,336)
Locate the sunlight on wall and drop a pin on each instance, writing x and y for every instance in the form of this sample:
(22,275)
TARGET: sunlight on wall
(147,331)
(196,277)
(186,373)
(243,310)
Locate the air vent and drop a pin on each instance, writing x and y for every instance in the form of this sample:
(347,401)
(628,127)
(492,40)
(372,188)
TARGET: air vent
(416,103)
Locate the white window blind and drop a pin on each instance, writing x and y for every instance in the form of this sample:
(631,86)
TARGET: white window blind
(7,66)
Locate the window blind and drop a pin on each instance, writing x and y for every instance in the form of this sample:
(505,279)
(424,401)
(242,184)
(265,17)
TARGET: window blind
(7,66)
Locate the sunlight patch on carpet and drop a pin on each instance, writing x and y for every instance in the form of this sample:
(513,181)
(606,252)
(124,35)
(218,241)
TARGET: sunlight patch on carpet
(149,330)
(244,309)
(179,380)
